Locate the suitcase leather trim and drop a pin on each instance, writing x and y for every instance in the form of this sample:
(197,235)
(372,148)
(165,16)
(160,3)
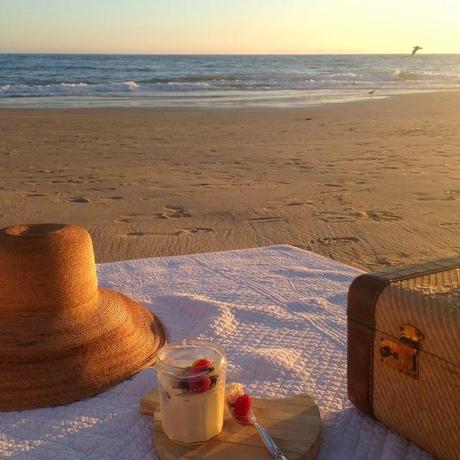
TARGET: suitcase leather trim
(362,299)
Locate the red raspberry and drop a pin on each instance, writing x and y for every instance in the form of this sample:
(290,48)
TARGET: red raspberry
(204,384)
(200,386)
(201,365)
(242,406)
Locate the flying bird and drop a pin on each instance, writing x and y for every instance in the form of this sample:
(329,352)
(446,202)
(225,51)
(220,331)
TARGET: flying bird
(371,92)
(415,49)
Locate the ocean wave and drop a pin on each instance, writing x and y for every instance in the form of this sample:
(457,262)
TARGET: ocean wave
(190,79)
(182,85)
(344,74)
(407,75)
(426,75)
(64,88)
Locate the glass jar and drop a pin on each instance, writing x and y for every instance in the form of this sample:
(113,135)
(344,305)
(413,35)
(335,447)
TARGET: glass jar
(191,380)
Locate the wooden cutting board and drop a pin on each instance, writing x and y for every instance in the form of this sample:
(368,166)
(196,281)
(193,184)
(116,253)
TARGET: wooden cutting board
(294,423)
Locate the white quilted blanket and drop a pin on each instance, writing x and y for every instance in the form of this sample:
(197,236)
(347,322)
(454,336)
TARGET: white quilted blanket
(280,314)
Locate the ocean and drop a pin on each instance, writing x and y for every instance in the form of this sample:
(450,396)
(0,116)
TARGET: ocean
(216,81)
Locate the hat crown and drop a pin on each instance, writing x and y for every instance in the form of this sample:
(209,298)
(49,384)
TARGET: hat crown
(46,266)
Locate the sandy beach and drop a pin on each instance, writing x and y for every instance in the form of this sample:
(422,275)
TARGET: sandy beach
(372,184)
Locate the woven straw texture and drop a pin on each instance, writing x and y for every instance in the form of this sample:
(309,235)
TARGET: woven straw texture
(426,409)
(61,337)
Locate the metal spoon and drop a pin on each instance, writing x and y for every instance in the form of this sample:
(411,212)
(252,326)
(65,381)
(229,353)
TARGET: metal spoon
(271,446)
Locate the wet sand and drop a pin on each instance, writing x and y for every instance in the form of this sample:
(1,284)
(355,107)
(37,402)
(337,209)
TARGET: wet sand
(372,184)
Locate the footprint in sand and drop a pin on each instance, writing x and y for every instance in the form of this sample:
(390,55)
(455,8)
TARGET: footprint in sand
(264,219)
(299,164)
(80,199)
(101,189)
(298,203)
(333,185)
(30,195)
(388,261)
(448,195)
(106,199)
(172,212)
(338,241)
(452,194)
(124,220)
(337,217)
(137,234)
(191,231)
(202,184)
(449,224)
(381,216)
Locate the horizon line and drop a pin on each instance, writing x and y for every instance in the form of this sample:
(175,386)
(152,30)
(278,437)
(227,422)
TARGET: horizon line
(46,53)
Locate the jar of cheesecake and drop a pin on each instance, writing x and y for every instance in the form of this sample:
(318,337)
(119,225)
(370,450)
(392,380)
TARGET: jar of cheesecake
(191,380)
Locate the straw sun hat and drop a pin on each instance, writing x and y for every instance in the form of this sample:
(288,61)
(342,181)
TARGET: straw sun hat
(61,337)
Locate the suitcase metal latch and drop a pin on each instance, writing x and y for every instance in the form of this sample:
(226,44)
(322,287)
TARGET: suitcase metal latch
(403,354)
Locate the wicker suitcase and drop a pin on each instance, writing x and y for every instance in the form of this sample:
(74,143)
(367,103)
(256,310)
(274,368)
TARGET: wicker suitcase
(404,352)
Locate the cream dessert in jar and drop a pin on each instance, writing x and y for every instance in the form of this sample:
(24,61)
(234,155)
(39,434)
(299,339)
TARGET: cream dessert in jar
(191,377)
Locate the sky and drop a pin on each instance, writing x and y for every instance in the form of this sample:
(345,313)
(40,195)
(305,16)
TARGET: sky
(229,26)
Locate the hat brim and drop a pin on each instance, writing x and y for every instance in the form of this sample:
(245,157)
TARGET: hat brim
(77,355)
